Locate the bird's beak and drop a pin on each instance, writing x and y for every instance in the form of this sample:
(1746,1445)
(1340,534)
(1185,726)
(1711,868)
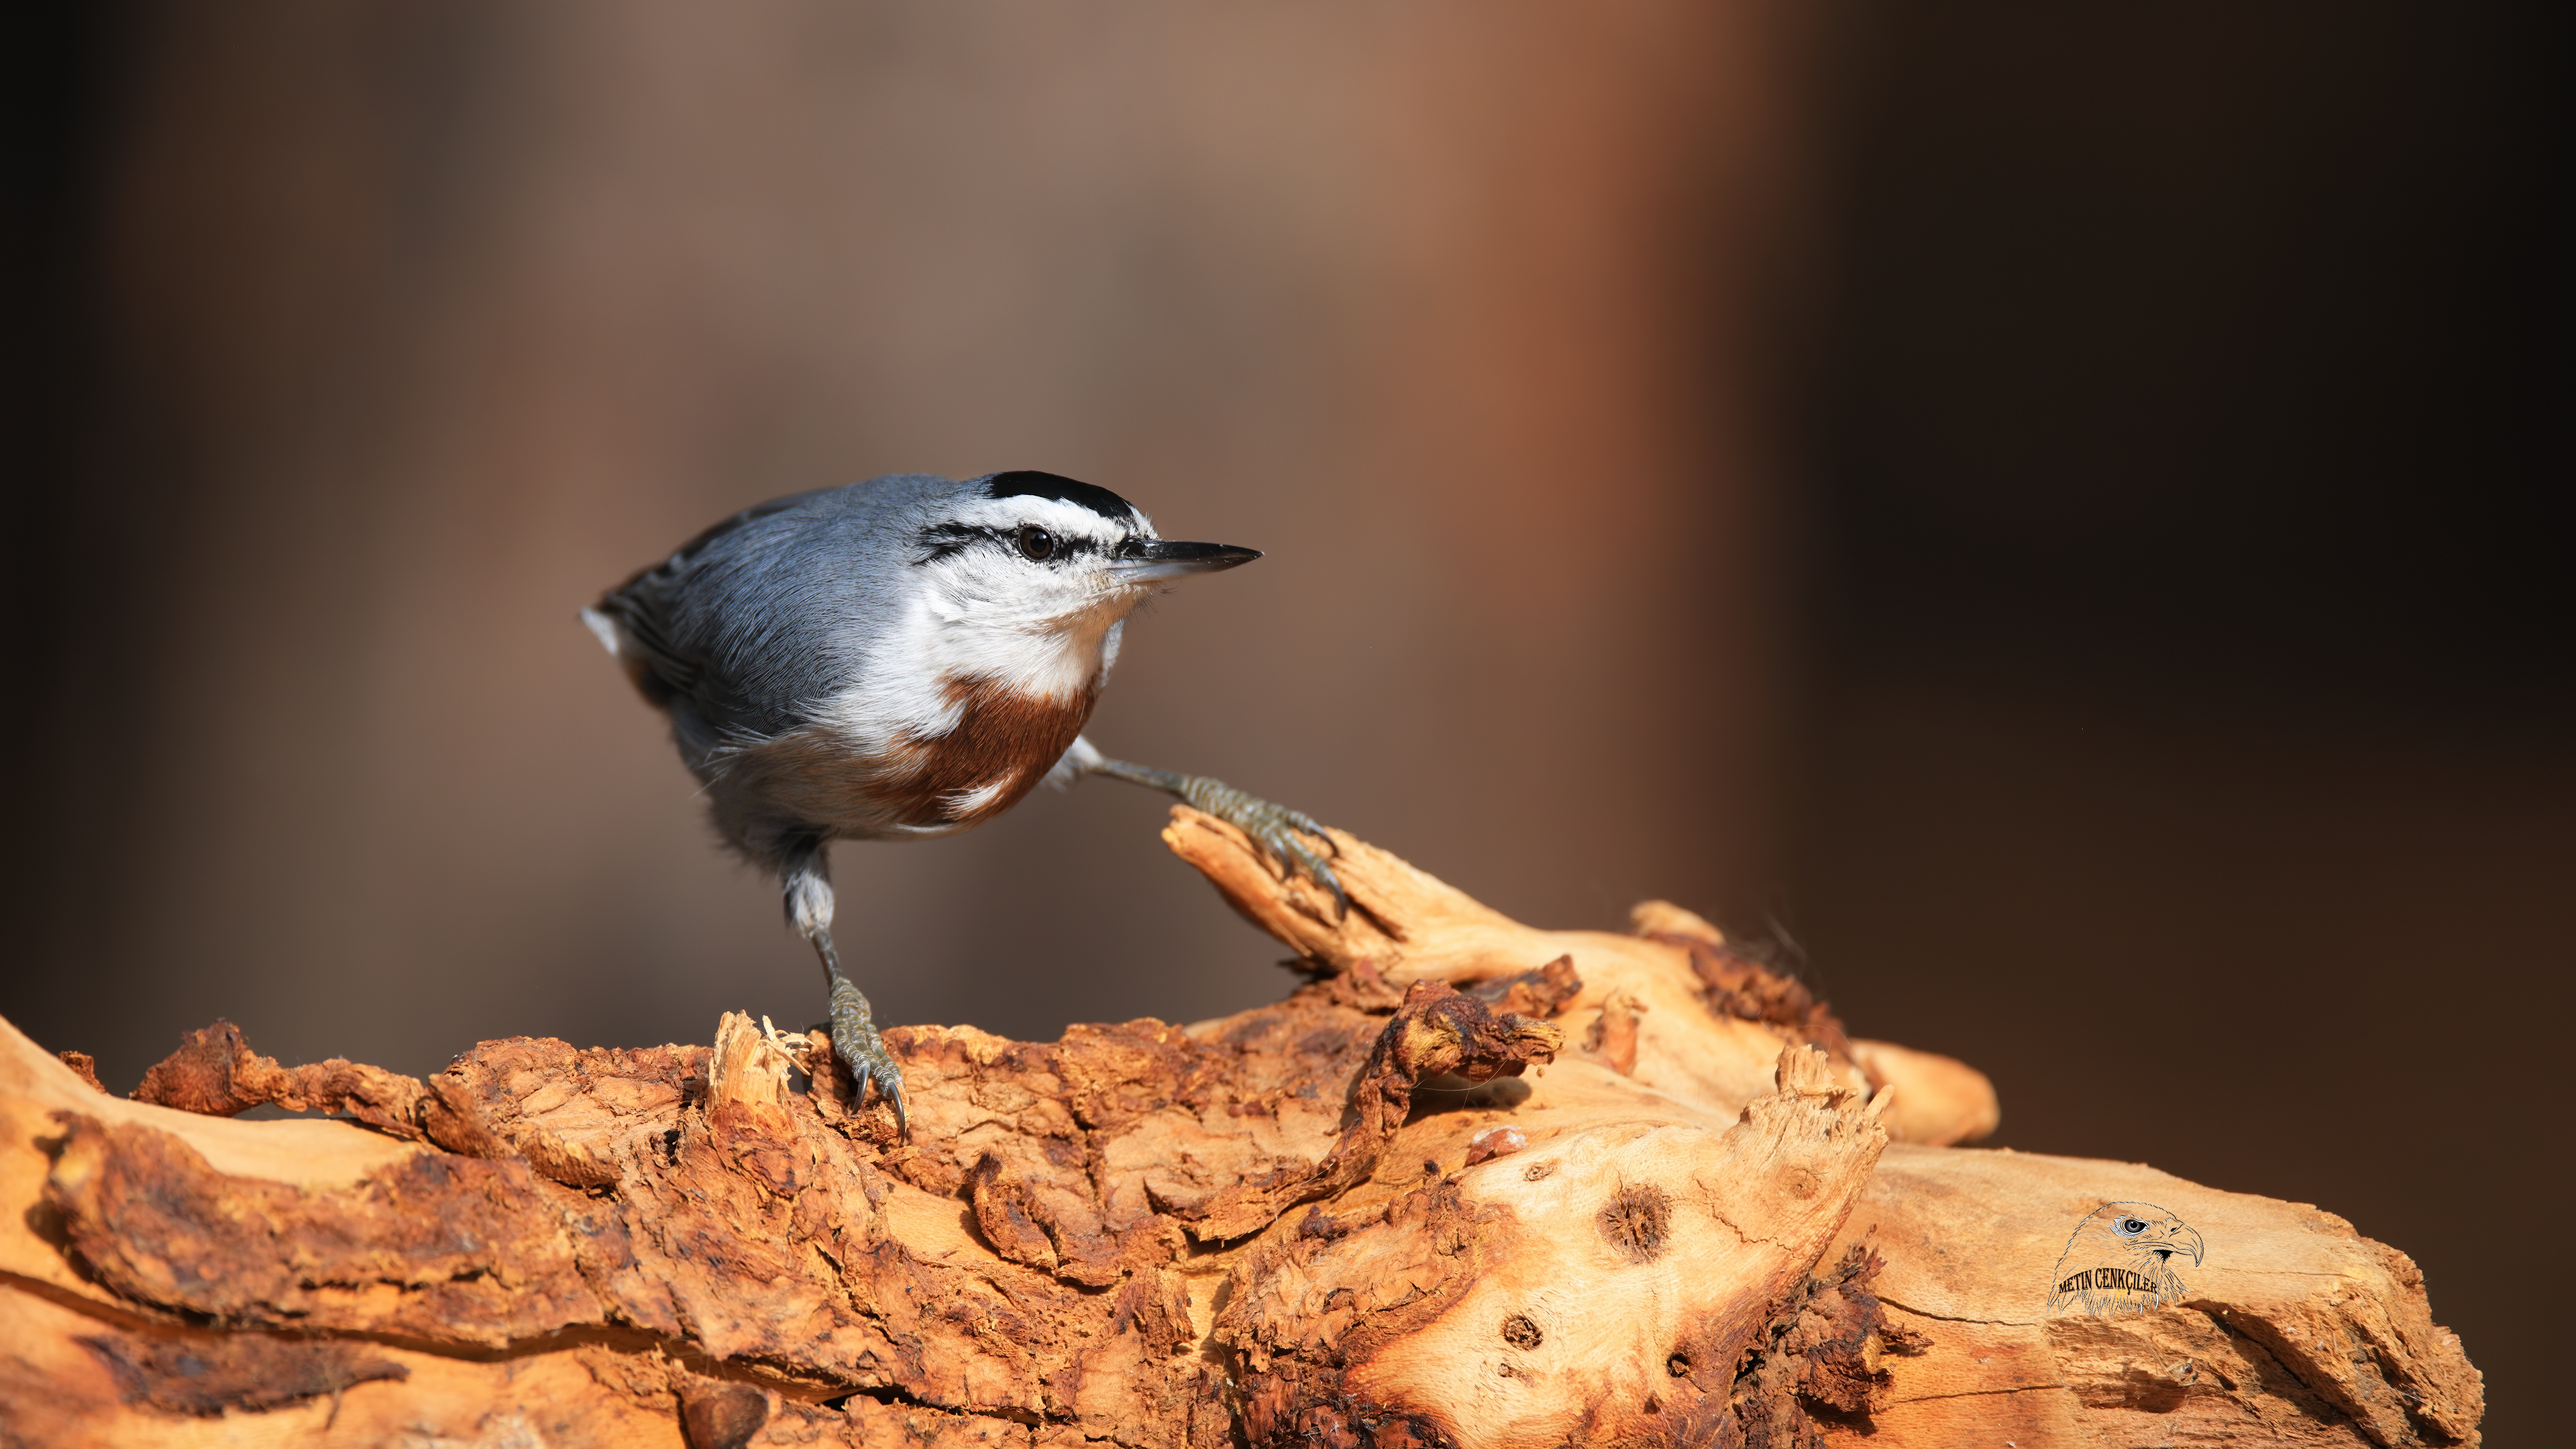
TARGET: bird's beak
(2186,1238)
(1145,563)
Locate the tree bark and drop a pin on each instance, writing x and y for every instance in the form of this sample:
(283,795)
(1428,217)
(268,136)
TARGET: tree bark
(1474,1184)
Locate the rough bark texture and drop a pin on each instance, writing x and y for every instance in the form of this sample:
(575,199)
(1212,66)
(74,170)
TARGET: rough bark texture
(1475,1184)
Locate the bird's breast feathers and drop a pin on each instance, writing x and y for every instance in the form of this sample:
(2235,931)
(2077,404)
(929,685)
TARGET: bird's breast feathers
(1004,741)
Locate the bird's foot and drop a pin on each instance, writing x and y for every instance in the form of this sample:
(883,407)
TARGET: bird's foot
(1274,830)
(856,1042)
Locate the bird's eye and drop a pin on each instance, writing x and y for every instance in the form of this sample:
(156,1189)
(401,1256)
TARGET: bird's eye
(2130,1227)
(1036,542)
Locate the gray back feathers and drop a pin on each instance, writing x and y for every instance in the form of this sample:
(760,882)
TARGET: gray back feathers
(747,629)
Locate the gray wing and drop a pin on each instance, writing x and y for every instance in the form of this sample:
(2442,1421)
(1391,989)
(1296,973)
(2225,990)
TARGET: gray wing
(655,634)
(748,625)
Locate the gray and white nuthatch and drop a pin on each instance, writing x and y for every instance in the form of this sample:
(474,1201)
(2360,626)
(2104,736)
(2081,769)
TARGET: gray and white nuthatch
(901,658)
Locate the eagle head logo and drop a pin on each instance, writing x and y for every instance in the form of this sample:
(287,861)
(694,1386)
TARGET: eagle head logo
(2120,1261)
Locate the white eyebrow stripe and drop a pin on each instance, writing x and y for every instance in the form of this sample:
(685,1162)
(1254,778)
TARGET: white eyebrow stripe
(1069,519)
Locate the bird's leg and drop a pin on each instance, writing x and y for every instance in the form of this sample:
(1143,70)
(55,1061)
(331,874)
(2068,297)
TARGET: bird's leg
(1274,828)
(854,1027)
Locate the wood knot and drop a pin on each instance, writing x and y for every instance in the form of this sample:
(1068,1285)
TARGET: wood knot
(1800,1182)
(1637,1220)
(1520,1332)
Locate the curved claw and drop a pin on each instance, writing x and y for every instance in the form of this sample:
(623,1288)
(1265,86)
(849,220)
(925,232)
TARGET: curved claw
(1316,871)
(889,1084)
(1313,827)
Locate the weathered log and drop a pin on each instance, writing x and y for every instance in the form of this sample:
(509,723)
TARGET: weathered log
(1475,1184)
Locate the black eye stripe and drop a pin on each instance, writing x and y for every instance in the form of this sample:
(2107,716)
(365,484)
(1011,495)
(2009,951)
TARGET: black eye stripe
(947,540)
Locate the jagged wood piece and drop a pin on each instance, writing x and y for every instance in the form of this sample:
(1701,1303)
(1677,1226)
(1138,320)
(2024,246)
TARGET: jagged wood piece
(1671,1004)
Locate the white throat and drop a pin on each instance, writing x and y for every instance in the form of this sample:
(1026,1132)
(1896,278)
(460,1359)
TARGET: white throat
(950,637)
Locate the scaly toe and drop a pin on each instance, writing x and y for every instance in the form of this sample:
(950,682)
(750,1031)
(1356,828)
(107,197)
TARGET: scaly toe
(1273,830)
(856,1042)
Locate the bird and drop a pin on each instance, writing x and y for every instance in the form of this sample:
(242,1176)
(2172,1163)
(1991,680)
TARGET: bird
(900,659)
(2119,1261)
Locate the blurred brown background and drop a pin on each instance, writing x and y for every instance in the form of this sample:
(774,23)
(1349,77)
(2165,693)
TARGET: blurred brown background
(2060,515)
